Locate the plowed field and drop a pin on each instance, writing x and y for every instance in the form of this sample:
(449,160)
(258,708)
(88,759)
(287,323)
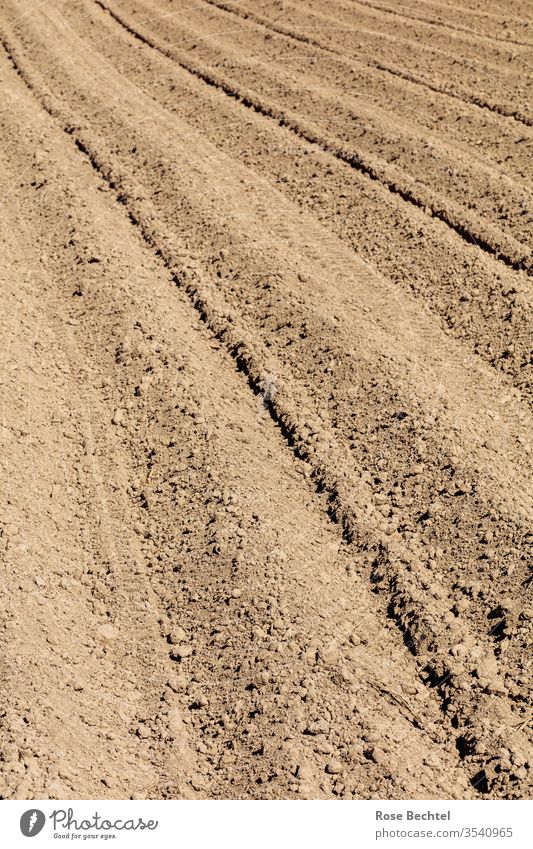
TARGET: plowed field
(265,405)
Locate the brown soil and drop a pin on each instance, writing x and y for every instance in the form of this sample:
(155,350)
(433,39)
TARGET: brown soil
(266,399)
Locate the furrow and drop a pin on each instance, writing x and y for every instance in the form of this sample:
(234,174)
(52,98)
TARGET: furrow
(400,576)
(502,247)
(246,566)
(472,184)
(436,22)
(381,228)
(474,99)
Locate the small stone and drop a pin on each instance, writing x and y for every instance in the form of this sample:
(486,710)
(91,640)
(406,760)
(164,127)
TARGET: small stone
(520,774)
(118,416)
(304,772)
(9,754)
(329,654)
(198,782)
(143,732)
(318,727)
(346,676)
(494,685)
(517,758)
(355,752)
(436,590)
(177,636)
(334,767)
(58,790)
(487,667)
(459,650)
(324,747)
(108,633)
(432,761)
(181,652)
(310,656)
(377,755)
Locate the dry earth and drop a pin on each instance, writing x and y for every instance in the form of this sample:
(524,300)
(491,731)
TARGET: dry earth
(266,399)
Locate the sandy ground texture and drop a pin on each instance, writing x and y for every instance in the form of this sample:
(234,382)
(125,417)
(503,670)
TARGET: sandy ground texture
(265,408)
